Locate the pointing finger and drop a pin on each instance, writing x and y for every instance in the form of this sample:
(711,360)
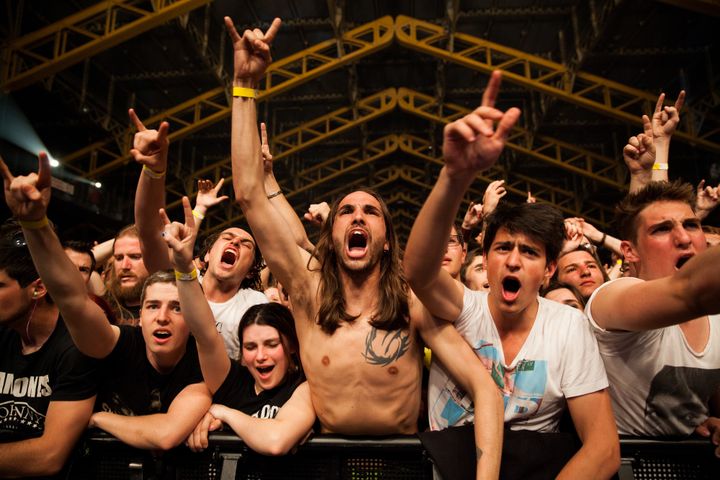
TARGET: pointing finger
(230,26)
(136,121)
(647,125)
(189,219)
(163,132)
(492,89)
(263,134)
(660,101)
(5,171)
(680,100)
(272,30)
(44,179)
(164,217)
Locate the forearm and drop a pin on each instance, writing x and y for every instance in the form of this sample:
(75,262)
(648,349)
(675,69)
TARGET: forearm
(283,207)
(29,458)
(591,461)
(149,199)
(428,238)
(638,180)
(247,177)
(488,421)
(146,431)
(266,436)
(701,287)
(103,251)
(662,159)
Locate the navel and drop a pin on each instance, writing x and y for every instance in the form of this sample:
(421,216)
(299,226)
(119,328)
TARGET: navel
(393,370)
(326,360)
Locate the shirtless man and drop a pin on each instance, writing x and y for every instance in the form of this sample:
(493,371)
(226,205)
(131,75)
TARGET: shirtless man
(359,351)
(662,353)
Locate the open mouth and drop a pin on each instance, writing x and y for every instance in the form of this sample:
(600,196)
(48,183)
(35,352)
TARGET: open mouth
(510,288)
(228,257)
(265,370)
(357,243)
(162,335)
(682,261)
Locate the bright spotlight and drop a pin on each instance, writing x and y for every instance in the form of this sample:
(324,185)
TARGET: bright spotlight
(54,163)
(98,185)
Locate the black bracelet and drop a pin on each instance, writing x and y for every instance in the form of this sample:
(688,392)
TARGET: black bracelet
(273,195)
(602,240)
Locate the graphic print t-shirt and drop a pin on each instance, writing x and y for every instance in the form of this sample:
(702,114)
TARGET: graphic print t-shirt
(28,383)
(558,360)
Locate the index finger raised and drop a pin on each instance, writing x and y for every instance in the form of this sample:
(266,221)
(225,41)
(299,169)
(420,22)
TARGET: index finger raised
(5,171)
(491,91)
(680,100)
(136,121)
(660,101)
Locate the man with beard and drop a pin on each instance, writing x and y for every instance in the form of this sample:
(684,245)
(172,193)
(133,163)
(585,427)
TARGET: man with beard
(360,353)
(232,280)
(127,276)
(657,333)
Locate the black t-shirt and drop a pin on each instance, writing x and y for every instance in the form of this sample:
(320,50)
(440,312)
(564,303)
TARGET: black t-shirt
(28,383)
(238,392)
(130,385)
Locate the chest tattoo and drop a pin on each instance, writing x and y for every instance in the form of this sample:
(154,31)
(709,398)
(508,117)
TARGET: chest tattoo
(392,346)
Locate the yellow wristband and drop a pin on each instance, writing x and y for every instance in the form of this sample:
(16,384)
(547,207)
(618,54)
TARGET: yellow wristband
(198,215)
(619,261)
(34,224)
(660,166)
(186,277)
(152,173)
(244,92)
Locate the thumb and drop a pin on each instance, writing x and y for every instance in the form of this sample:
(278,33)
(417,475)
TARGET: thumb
(702,430)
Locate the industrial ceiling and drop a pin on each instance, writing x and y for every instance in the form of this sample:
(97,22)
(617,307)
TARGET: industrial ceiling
(358,94)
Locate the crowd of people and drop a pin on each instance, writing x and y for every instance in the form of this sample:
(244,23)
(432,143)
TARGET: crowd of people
(144,339)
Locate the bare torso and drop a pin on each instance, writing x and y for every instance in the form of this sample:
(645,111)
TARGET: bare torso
(363,381)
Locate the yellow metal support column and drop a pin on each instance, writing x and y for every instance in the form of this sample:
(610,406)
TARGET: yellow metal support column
(546,149)
(589,91)
(49,50)
(212,107)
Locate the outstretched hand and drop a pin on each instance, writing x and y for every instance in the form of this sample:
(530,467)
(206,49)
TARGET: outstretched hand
(493,193)
(252,50)
(473,216)
(471,144)
(707,198)
(317,213)
(665,119)
(207,195)
(28,196)
(180,238)
(150,147)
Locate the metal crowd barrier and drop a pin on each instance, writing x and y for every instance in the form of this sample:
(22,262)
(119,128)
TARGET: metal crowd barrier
(334,457)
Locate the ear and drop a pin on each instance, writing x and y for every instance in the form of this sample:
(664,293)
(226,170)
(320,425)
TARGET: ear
(386,247)
(550,269)
(629,251)
(206,258)
(37,289)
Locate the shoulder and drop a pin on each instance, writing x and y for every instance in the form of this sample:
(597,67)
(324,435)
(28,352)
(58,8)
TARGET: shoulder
(250,297)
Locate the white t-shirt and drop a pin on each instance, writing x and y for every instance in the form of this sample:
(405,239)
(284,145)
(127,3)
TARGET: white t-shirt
(228,314)
(658,384)
(558,360)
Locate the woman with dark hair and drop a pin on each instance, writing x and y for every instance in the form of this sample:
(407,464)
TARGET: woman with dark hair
(248,394)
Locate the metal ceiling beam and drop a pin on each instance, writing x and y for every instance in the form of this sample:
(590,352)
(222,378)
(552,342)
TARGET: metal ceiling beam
(51,49)
(565,200)
(306,135)
(705,7)
(589,91)
(554,152)
(211,107)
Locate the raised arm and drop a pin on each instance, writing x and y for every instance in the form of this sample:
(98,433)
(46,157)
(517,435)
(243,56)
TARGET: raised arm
(277,199)
(28,198)
(208,195)
(159,431)
(466,369)
(284,258)
(214,361)
(470,145)
(664,123)
(150,149)
(601,239)
(273,436)
(693,291)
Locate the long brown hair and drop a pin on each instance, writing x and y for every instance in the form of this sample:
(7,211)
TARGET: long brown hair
(392,310)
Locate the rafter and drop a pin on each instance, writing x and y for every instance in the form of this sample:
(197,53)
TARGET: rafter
(307,134)
(211,107)
(546,149)
(589,91)
(51,49)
